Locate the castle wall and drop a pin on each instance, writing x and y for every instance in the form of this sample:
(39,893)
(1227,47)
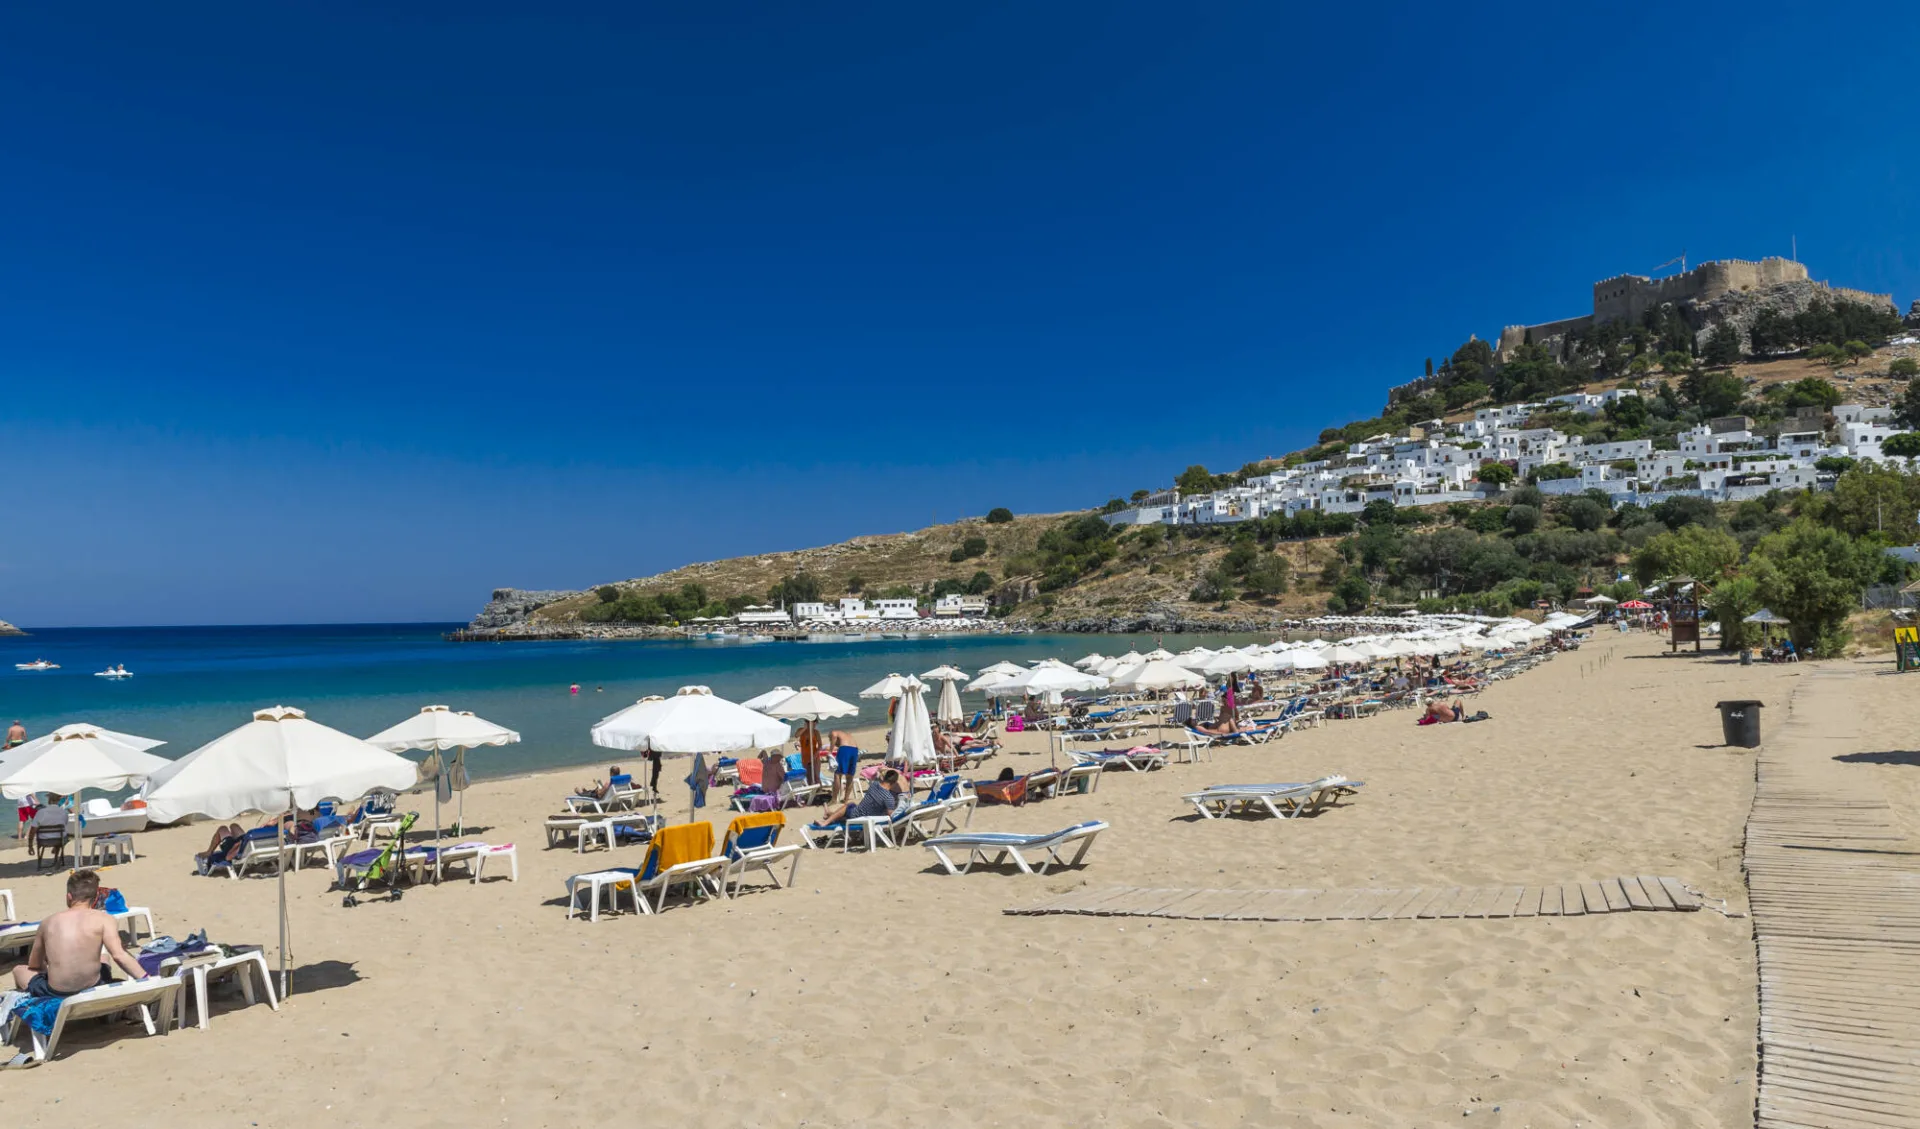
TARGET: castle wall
(1630,296)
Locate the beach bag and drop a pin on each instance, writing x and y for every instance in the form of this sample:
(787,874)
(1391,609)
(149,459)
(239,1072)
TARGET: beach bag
(109,900)
(1016,724)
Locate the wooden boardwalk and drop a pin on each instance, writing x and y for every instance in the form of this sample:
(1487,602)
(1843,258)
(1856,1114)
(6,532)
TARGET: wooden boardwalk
(1622,894)
(1835,893)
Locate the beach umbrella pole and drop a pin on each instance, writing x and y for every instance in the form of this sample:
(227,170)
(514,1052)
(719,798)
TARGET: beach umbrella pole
(280,837)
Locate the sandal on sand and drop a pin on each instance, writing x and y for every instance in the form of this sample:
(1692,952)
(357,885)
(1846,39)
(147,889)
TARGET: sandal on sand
(19,1062)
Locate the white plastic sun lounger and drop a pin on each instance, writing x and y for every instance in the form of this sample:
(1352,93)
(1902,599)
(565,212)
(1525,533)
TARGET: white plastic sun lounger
(153,998)
(1282,801)
(999,845)
(6,905)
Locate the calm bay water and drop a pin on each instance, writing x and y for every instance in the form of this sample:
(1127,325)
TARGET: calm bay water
(192,684)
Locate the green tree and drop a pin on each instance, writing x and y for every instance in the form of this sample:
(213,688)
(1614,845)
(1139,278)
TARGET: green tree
(1870,499)
(1828,353)
(799,587)
(981,584)
(855,582)
(1495,474)
(1903,368)
(1269,577)
(1459,395)
(1731,602)
(1523,519)
(1714,393)
(1812,392)
(1855,350)
(1692,550)
(1196,479)
(1351,594)
(1676,363)
(999,515)
(1812,575)
(1906,445)
(1586,514)
(1723,345)
(607,593)
(1907,409)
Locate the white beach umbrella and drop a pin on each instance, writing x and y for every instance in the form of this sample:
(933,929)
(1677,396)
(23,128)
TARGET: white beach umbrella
(280,760)
(772,697)
(74,758)
(889,687)
(692,721)
(1092,660)
(911,741)
(1052,680)
(1157,674)
(949,712)
(1193,654)
(811,705)
(1306,659)
(1229,661)
(1346,656)
(944,674)
(1004,668)
(1158,654)
(991,681)
(1370,648)
(437,729)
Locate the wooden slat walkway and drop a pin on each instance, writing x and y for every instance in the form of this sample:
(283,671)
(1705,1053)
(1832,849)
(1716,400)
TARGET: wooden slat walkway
(1622,894)
(1835,891)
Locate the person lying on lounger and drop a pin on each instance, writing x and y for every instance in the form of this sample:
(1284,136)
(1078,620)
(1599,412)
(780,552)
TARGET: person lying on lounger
(65,959)
(886,793)
(1222,728)
(599,788)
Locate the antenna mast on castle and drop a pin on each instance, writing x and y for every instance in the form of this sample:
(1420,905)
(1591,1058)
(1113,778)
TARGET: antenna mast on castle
(1682,260)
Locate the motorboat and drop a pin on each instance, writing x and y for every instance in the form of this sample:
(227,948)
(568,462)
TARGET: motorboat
(37,664)
(113,672)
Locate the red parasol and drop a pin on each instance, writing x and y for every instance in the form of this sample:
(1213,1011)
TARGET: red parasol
(1636,605)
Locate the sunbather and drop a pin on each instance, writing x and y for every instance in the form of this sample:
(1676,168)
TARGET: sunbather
(887,792)
(65,959)
(1439,711)
(1225,727)
(599,788)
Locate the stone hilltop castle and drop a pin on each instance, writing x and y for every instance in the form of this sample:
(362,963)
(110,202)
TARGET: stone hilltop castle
(1730,290)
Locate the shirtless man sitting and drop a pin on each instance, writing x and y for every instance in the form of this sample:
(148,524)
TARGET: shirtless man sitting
(66,955)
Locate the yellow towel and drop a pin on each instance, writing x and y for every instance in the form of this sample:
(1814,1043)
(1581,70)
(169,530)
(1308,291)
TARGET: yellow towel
(683,842)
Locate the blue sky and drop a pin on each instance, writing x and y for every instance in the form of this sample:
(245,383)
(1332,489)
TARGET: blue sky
(322,312)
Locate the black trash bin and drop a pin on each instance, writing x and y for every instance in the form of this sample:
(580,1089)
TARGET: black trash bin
(1740,723)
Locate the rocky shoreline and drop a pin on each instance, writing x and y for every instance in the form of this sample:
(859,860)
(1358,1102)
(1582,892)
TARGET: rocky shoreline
(9,629)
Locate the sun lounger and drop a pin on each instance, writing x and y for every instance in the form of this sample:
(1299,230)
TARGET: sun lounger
(1142,759)
(153,998)
(1282,801)
(872,831)
(753,843)
(980,845)
(198,970)
(681,855)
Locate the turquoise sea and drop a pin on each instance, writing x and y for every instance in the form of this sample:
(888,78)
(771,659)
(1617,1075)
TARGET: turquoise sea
(192,684)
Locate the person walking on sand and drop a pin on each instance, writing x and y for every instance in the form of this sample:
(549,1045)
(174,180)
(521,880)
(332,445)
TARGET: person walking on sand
(16,735)
(65,958)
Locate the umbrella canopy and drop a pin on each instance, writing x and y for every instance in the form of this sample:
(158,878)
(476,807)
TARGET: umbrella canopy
(440,728)
(1004,668)
(949,711)
(1765,615)
(1089,661)
(1193,654)
(281,758)
(992,681)
(1051,680)
(1305,659)
(1592,600)
(1347,656)
(74,757)
(892,686)
(1157,674)
(1228,661)
(1636,605)
(772,697)
(1158,654)
(912,737)
(1370,648)
(692,721)
(810,703)
(944,674)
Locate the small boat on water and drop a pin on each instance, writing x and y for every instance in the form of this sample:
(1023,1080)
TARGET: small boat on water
(37,664)
(114,672)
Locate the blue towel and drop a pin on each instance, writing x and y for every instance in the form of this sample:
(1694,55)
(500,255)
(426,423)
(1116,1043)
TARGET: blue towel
(39,1013)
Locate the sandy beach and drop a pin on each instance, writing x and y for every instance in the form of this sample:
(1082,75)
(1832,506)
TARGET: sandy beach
(880,990)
